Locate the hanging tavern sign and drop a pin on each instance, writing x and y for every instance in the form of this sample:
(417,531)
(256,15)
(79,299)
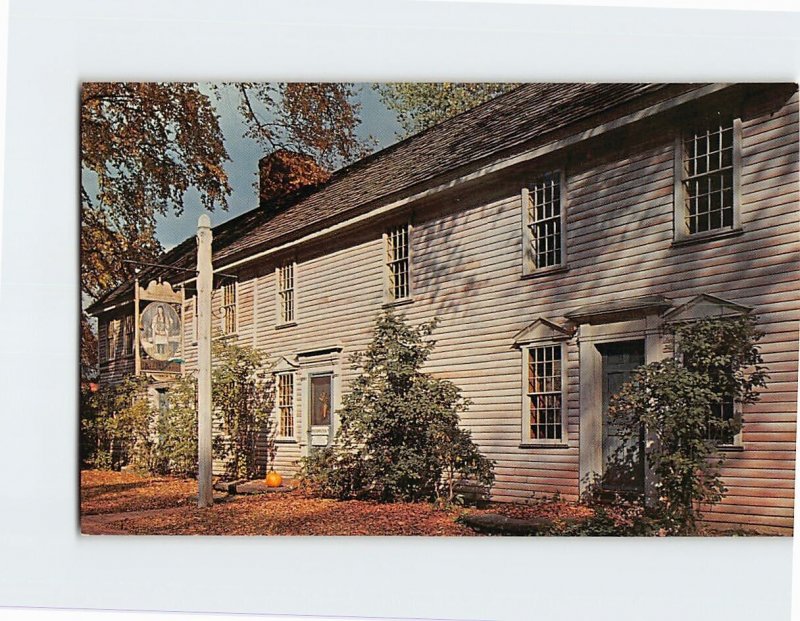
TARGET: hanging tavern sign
(159,330)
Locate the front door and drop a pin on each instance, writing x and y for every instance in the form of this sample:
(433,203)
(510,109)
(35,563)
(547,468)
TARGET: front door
(625,475)
(321,409)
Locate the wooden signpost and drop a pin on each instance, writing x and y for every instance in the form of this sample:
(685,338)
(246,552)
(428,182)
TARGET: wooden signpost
(204,286)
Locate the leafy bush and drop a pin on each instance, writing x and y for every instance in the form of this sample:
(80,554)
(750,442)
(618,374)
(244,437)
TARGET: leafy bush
(242,393)
(716,359)
(120,427)
(398,437)
(333,473)
(115,425)
(624,519)
(176,429)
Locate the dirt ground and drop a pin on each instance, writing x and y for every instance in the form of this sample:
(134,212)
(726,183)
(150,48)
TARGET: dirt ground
(127,503)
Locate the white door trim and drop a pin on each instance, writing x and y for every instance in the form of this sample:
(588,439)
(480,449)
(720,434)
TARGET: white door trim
(591,385)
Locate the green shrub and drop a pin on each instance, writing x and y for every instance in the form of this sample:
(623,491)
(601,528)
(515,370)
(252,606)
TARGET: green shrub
(115,424)
(334,474)
(398,437)
(119,426)
(619,520)
(176,429)
(242,394)
(715,359)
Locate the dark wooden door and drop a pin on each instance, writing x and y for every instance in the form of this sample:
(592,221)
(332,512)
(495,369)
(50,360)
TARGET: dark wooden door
(625,469)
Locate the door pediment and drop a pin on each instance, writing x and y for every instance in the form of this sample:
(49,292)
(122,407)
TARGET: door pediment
(705,305)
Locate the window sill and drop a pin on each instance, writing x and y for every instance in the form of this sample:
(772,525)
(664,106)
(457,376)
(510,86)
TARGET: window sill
(544,445)
(547,271)
(730,448)
(395,303)
(285,440)
(288,324)
(700,238)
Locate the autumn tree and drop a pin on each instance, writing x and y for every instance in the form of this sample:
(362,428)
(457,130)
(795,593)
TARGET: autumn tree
(421,104)
(283,172)
(144,146)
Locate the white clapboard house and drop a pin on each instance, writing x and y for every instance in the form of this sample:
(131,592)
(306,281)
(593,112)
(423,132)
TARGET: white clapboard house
(553,231)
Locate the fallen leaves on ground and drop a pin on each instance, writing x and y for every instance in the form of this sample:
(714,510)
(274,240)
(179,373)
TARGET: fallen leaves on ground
(549,509)
(112,492)
(286,513)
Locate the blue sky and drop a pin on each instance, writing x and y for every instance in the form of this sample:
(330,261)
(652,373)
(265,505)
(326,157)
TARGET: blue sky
(377,121)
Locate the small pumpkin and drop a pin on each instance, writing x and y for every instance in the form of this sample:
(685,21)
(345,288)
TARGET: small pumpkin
(273,479)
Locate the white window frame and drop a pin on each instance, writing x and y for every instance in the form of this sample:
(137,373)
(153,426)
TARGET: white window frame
(280,318)
(279,406)
(529,267)
(234,286)
(681,229)
(527,441)
(390,297)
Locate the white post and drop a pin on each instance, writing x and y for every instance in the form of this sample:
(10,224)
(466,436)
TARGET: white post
(204,285)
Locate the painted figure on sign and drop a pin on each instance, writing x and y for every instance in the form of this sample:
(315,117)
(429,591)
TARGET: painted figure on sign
(159,330)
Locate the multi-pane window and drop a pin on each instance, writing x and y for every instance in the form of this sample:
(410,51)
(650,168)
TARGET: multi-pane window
(544,221)
(127,335)
(719,420)
(286,405)
(708,177)
(112,338)
(545,396)
(229,308)
(722,417)
(286,293)
(397,263)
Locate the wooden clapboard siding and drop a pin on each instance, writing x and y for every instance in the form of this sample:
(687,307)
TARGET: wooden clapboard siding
(466,272)
(619,240)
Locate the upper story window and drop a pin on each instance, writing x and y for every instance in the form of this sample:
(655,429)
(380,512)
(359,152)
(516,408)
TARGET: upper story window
(544,380)
(285,404)
(127,335)
(285,278)
(707,179)
(544,223)
(229,308)
(112,338)
(398,268)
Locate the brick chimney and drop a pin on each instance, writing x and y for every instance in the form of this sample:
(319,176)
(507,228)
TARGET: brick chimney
(282,172)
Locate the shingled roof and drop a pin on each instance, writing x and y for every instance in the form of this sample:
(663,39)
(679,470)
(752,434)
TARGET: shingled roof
(501,125)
